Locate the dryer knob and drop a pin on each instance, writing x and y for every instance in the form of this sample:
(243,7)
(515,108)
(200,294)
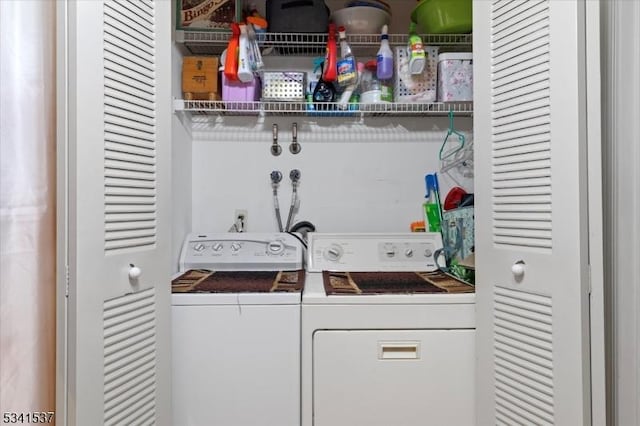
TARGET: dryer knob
(235,247)
(408,252)
(199,247)
(217,246)
(275,247)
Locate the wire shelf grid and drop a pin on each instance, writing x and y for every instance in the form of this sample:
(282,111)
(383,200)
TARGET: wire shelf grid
(328,109)
(202,42)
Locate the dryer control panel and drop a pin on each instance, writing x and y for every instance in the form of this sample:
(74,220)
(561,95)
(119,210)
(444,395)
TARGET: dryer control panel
(241,251)
(373,252)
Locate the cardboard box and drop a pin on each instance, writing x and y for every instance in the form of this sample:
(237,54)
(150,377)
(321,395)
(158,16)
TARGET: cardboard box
(200,77)
(207,14)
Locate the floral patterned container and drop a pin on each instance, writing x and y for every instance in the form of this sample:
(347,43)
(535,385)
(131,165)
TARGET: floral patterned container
(455,77)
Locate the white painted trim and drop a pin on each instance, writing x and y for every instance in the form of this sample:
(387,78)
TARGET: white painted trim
(622,197)
(62,225)
(594,184)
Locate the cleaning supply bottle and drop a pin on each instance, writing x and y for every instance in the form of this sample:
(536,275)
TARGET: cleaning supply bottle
(231,59)
(324,90)
(347,67)
(415,49)
(245,73)
(329,74)
(346,96)
(384,57)
(432,211)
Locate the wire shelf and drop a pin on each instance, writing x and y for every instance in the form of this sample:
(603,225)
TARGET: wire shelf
(328,109)
(210,42)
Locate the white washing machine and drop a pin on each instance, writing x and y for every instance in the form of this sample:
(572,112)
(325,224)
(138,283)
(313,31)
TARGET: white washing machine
(381,345)
(236,330)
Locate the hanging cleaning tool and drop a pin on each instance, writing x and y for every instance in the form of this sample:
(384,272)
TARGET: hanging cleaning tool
(443,155)
(385,57)
(347,66)
(231,58)
(432,209)
(329,72)
(415,49)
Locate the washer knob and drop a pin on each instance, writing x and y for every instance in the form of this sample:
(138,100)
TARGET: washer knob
(408,252)
(217,246)
(428,253)
(235,247)
(199,247)
(275,247)
(333,253)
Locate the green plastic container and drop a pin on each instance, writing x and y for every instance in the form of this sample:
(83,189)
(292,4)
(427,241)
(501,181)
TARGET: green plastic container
(443,16)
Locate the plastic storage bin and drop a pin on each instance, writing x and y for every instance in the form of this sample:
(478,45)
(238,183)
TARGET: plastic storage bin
(455,77)
(236,91)
(420,88)
(443,16)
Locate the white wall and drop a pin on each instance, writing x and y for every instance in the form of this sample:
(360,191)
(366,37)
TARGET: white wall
(355,176)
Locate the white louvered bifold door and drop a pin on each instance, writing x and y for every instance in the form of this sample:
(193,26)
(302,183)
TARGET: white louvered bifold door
(117,95)
(532,248)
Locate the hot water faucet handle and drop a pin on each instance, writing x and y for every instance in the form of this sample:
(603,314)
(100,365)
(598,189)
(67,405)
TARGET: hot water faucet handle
(275,148)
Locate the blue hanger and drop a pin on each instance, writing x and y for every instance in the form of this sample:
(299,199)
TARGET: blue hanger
(451,131)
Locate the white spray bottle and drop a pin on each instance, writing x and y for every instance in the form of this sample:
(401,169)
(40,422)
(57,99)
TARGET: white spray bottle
(245,73)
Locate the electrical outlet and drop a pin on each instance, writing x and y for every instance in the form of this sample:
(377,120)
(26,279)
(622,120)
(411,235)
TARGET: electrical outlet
(241,215)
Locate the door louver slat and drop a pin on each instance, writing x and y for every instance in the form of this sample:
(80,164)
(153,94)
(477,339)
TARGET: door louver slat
(129,357)
(523,352)
(521,123)
(130,126)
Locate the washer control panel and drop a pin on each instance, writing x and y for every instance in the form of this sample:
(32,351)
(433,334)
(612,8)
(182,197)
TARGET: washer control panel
(241,251)
(373,252)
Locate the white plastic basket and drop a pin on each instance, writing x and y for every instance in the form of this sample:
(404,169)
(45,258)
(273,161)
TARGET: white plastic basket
(283,86)
(420,88)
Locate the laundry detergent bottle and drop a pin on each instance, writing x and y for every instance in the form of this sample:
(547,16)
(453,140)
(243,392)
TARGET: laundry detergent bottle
(324,90)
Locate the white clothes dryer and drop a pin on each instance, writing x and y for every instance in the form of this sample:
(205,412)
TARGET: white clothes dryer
(236,330)
(381,344)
